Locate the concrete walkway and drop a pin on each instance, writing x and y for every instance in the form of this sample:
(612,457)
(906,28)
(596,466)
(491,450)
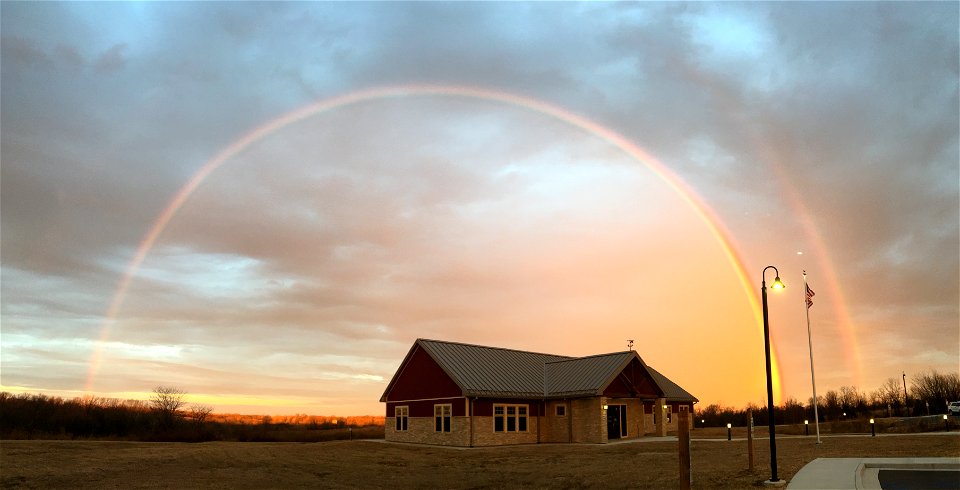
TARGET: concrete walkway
(780,437)
(878,473)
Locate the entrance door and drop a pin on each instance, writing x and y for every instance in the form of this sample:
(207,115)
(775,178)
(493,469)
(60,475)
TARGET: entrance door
(616,421)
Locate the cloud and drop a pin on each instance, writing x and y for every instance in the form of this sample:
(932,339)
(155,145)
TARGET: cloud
(359,229)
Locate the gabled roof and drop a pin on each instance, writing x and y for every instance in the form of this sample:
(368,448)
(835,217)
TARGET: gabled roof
(584,376)
(497,372)
(490,371)
(671,390)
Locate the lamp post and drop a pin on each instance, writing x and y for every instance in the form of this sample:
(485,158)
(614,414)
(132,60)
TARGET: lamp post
(777,284)
(728,432)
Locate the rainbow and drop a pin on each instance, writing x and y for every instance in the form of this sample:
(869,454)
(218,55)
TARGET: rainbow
(846,326)
(703,212)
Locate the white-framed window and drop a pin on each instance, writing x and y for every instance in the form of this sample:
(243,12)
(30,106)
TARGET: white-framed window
(510,418)
(669,414)
(561,410)
(441,417)
(401,414)
(684,408)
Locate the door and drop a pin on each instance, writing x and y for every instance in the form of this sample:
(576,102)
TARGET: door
(616,421)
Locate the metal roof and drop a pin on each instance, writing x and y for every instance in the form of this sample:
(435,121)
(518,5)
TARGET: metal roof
(671,390)
(583,375)
(490,371)
(497,372)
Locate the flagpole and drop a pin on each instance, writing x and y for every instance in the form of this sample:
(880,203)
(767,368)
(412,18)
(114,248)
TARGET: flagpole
(813,380)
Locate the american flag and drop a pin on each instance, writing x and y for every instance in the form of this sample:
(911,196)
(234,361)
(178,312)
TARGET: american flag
(810,295)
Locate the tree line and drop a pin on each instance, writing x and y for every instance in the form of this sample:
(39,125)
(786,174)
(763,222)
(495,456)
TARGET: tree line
(928,394)
(166,416)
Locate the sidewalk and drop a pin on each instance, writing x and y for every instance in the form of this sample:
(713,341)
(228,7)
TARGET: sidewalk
(874,473)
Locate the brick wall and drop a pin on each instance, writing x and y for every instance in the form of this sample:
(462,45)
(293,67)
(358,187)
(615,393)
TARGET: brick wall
(422,430)
(589,420)
(483,434)
(552,427)
(584,418)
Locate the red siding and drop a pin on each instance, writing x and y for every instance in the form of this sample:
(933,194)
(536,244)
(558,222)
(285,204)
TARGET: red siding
(632,381)
(421,378)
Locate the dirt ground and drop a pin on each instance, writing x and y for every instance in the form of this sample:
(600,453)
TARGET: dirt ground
(716,463)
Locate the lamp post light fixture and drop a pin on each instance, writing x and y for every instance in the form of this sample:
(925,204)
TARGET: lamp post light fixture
(728,432)
(777,284)
(806,427)
(873,429)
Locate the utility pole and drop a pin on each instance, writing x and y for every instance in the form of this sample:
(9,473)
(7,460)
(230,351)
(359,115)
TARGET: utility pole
(906,406)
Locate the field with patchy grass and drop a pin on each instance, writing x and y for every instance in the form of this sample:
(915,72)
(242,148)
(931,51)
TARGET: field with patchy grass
(716,463)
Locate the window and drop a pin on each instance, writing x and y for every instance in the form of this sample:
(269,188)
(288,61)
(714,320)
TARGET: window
(441,417)
(669,413)
(401,414)
(684,408)
(509,418)
(561,410)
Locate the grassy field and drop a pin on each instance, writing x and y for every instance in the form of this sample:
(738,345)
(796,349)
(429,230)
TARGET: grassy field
(716,463)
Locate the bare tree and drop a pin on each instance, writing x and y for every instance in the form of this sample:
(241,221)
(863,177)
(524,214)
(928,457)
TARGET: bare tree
(831,402)
(167,402)
(935,388)
(890,394)
(852,400)
(199,413)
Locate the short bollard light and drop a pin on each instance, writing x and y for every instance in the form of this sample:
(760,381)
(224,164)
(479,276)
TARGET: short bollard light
(806,427)
(728,432)
(873,429)
(946,423)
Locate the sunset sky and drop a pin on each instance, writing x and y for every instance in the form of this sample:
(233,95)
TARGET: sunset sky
(265,204)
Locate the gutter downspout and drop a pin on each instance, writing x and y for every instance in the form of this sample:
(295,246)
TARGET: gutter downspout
(539,409)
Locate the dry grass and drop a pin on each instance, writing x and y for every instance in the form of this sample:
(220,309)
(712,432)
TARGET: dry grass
(376,464)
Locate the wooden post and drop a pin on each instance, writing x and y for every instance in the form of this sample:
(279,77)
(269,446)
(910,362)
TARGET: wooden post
(683,435)
(750,437)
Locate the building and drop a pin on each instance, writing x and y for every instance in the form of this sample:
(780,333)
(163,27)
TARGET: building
(469,395)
